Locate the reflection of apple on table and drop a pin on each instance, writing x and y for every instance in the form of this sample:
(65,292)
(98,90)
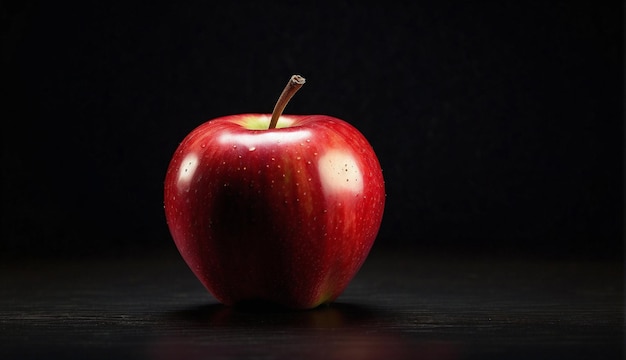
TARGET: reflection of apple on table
(275,208)
(338,331)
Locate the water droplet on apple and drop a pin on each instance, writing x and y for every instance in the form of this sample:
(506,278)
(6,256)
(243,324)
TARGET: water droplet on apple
(203,146)
(298,158)
(234,146)
(309,179)
(308,140)
(308,162)
(251,148)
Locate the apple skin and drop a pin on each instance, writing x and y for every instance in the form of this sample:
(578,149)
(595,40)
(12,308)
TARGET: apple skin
(285,216)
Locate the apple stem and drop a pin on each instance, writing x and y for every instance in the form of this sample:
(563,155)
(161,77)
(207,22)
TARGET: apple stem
(294,84)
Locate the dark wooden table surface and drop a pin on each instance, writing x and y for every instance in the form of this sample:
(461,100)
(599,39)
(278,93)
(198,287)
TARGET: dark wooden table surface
(400,306)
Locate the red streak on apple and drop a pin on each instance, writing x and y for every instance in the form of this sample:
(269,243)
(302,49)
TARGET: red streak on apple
(286,215)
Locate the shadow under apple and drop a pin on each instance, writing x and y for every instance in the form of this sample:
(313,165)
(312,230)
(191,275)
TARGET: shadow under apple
(335,315)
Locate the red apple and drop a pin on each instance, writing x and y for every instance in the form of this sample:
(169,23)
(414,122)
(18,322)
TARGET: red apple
(283,214)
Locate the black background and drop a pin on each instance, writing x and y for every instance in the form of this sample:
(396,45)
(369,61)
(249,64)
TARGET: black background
(499,124)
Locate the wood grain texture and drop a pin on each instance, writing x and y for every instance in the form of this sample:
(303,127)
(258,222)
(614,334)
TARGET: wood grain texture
(399,306)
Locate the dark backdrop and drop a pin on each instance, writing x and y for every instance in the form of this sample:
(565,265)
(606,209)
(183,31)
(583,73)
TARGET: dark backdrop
(499,124)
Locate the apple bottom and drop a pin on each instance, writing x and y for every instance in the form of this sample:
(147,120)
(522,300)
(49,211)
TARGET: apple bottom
(249,257)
